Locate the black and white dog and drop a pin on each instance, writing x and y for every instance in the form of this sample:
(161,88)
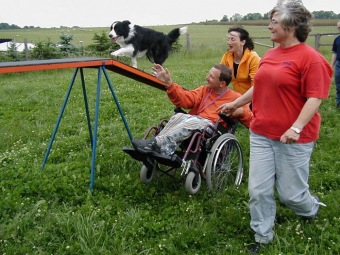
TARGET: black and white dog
(136,41)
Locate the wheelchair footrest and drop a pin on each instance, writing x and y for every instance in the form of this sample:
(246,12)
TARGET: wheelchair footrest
(173,161)
(134,154)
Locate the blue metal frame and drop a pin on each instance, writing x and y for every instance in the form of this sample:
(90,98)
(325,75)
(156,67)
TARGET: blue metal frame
(94,134)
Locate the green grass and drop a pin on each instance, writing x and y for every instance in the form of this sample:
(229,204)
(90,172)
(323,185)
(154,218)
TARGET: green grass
(201,36)
(52,211)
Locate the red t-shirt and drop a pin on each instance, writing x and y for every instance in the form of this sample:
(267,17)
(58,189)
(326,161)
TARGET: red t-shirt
(286,78)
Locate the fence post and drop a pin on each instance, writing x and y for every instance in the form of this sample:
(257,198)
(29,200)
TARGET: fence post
(26,49)
(188,42)
(317,41)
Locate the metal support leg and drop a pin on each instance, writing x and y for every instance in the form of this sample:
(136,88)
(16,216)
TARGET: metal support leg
(95,132)
(86,105)
(59,118)
(117,103)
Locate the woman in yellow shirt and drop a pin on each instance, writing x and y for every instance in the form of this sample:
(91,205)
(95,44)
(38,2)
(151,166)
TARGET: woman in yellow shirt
(241,58)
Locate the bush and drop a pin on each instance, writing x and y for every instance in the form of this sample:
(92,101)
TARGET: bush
(103,44)
(45,50)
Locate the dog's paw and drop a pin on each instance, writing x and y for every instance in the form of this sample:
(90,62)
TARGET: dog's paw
(114,56)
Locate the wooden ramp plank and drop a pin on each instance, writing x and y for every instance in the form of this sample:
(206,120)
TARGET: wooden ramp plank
(109,64)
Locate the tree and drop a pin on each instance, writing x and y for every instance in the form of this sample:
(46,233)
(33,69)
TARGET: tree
(102,43)
(7,26)
(45,50)
(12,51)
(252,16)
(225,18)
(258,16)
(266,16)
(325,15)
(65,44)
(236,17)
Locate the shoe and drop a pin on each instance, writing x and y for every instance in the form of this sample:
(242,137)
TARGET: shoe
(313,217)
(147,146)
(254,248)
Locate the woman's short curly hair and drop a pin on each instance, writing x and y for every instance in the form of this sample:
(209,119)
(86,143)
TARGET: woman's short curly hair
(293,15)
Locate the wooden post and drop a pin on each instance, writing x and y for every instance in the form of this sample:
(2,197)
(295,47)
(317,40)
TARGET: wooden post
(188,42)
(317,41)
(26,49)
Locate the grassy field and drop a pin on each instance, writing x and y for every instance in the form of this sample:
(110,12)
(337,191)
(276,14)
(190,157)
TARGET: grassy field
(201,36)
(52,211)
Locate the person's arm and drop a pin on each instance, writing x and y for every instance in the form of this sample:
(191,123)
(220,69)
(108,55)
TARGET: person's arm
(179,96)
(246,116)
(308,110)
(162,74)
(253,67)
(333,59)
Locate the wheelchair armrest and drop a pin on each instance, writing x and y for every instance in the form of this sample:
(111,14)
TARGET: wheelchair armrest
(227,119)
(232,125)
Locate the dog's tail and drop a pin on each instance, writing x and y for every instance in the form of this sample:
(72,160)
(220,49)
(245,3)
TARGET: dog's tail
(173,35)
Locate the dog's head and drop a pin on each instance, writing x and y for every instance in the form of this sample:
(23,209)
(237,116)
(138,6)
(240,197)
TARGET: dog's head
(119,30)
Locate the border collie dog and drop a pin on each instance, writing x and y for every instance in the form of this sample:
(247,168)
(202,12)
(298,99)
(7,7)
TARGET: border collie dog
(136,41)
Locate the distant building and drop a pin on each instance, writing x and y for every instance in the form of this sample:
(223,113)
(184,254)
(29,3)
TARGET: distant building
(6,44)
(3,40)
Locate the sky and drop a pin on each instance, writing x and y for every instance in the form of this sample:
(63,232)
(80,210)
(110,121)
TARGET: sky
(101,13)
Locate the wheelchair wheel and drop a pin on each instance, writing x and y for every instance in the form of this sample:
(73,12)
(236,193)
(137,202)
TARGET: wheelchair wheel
(225,163)
(192,182)
(147,174)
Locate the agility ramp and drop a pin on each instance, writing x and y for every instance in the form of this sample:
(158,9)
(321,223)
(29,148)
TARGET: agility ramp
(102,64)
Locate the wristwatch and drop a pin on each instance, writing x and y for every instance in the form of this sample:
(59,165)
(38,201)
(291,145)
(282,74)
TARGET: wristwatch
(297,130)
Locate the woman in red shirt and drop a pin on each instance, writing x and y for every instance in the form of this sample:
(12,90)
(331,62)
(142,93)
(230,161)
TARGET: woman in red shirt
(289,85)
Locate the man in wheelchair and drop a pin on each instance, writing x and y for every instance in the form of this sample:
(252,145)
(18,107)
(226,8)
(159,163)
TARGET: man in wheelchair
(202,102)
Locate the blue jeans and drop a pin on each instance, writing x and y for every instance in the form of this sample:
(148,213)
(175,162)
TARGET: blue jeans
(337,81)
(285,166)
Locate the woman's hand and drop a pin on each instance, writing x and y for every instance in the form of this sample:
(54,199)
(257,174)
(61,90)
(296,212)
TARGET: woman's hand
(290,136)
(227,108)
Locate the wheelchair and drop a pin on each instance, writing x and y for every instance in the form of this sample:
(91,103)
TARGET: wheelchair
(213,154)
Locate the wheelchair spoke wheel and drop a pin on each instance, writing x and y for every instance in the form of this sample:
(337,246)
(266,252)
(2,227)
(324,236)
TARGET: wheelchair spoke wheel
(192,182)
(225,163)
(147,174)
